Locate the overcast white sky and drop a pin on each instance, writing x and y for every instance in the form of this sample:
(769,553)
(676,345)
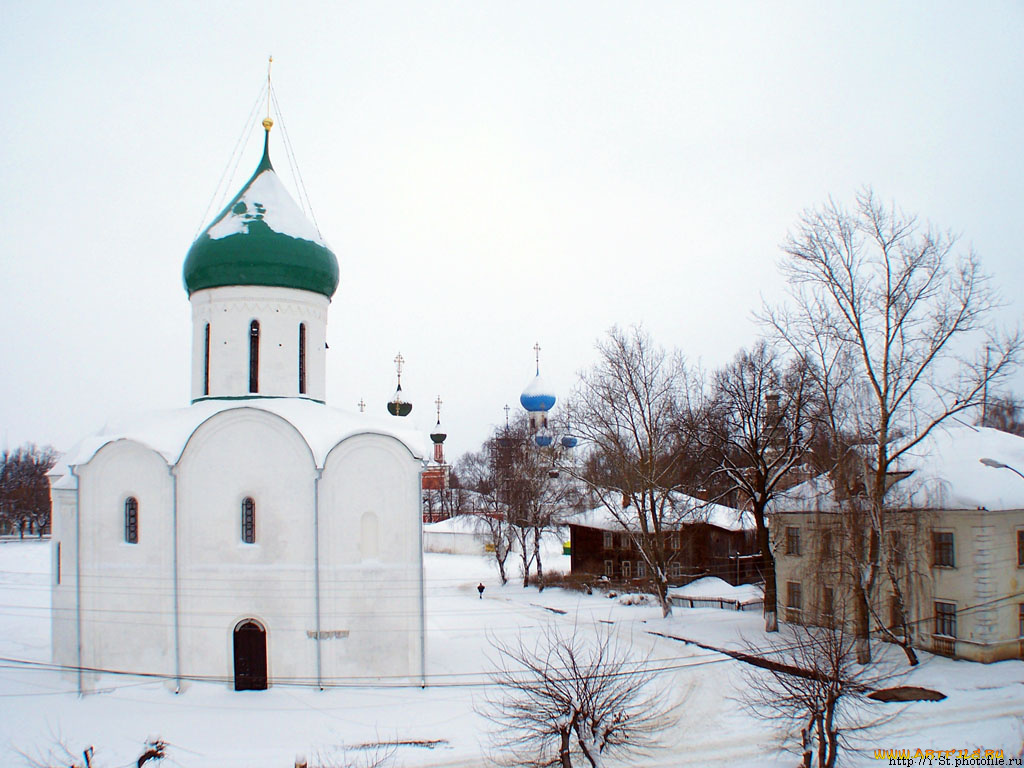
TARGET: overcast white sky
(489,174)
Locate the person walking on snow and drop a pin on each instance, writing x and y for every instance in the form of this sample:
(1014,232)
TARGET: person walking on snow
(480,589)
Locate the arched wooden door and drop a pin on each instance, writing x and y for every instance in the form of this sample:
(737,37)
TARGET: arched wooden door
(250,657)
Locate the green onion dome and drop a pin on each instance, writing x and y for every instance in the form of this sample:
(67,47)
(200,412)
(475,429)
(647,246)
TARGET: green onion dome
(262,238)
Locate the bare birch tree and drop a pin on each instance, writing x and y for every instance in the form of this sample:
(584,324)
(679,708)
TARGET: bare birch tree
(570,696)
(897,327)
(625,409)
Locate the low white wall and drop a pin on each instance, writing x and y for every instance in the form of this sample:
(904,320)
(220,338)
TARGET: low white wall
(454,542)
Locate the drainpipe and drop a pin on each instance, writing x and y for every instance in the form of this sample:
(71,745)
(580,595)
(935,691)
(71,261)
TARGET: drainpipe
(316,573)
(174,557)
(78,574)
(423,609)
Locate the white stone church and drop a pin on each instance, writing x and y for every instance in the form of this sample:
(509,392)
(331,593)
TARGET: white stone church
(256,536)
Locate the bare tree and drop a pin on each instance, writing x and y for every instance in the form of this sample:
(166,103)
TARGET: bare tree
(885,311)
(499,538)
(572,696)
(24,488)
(477,473)
(532,498)
(626,409)
(60,756)
(812,687)
(522,493)
(756,422)
(1004,413)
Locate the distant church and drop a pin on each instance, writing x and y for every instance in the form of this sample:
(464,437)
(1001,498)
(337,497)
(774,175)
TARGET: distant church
(257,535)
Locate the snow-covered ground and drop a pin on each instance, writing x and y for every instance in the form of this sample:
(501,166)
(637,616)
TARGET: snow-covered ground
(211,725)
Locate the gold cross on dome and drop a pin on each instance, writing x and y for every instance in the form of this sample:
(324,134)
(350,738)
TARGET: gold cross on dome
(536,349)
(362,405)
(438,403)
(270,62)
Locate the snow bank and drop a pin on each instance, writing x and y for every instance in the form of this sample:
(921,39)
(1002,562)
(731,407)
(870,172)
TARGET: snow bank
(714,587)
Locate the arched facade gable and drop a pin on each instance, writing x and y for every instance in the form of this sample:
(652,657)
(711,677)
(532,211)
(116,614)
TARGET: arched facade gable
(370,541)
(235,454)
(116,447)
(133,580)
(246,453)
(242,412)
(370,473)
(122,469)
(346,443)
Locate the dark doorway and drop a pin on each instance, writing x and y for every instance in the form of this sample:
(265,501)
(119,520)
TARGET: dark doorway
(250,657)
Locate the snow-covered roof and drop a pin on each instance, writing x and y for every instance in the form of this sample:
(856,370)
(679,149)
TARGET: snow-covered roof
(458,524)
(167,431)
(686,510)
(946,472)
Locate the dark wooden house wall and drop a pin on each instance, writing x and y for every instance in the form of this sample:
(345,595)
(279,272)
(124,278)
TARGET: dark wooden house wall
(697,550)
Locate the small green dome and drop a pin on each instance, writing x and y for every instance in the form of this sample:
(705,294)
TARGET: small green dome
(261,238)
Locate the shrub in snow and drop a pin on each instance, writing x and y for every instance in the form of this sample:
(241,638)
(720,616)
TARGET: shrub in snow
(636,599)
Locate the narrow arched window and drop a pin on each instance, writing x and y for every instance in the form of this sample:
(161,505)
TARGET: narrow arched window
(206,362)
(254,356)
(248,520)
(131,520)
(302,358)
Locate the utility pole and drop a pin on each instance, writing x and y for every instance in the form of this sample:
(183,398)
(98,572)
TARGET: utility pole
(984,391)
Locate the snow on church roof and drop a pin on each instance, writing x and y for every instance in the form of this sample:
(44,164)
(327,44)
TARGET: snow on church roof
(945,473)
(266,200)
(537,397)
(262,237)
(167,431)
